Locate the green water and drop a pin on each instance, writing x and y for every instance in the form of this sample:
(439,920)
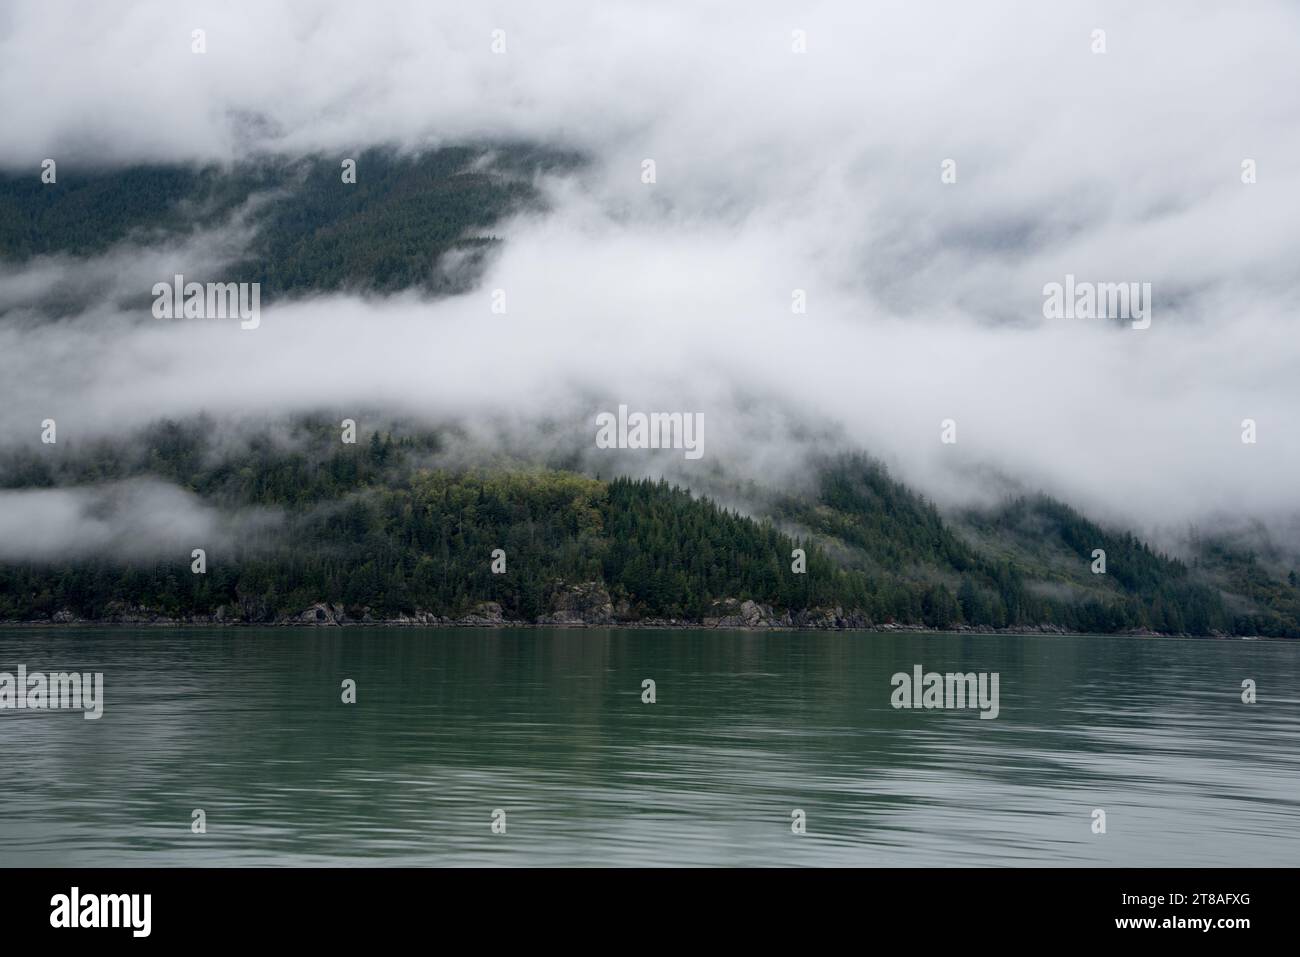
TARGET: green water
(549,726)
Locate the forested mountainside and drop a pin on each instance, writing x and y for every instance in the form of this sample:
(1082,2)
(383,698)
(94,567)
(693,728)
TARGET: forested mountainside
(385,232)
(385,528)
(372,531)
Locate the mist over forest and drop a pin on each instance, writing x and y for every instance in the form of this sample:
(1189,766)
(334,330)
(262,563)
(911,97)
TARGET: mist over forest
(838,252)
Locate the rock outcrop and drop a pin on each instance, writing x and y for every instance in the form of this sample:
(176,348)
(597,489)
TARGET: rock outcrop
(733,613)
(484,613)
(585,604)
(321,613)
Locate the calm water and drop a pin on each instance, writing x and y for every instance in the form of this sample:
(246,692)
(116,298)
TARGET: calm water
(549,726)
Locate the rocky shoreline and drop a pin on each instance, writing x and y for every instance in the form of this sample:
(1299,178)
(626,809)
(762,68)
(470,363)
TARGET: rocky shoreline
(580,606)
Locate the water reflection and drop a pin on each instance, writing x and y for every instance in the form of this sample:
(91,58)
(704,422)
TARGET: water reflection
(549,725)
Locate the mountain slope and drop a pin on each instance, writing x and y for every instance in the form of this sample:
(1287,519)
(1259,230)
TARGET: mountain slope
(388,525)
(371,528)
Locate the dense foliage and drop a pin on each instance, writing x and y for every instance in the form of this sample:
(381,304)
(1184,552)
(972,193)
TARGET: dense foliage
(381,526)
(309,231)
(368,526)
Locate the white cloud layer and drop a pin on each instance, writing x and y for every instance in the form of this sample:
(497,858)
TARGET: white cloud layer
(776,171)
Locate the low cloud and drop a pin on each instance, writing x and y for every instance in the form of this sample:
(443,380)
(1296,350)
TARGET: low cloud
(136,520)
(775,172)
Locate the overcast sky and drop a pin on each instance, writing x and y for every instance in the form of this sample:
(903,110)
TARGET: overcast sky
(776,171)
